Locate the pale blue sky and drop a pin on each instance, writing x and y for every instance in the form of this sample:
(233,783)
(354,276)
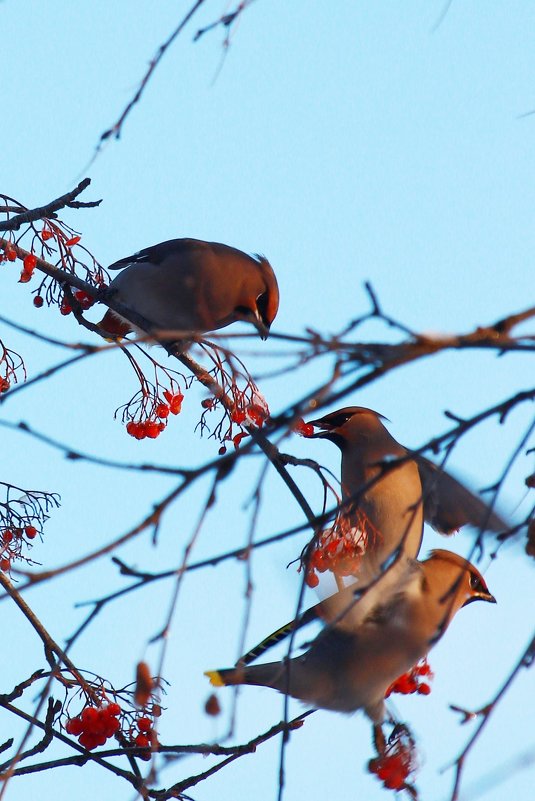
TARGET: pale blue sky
(347,142)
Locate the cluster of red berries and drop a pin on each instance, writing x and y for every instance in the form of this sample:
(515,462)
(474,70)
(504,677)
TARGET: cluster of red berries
(94,725)
(47,234)
(85,301)
(340,548)
(152,428)
(146,736)
(394,766)
(10,544)
(140,429)
(412,682)
(302,428)
(253,414)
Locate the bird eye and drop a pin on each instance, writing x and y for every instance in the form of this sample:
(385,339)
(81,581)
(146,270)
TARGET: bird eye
(476,584)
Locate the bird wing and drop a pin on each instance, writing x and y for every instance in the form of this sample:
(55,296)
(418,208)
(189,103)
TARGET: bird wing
(155,254)
(449,505)
(348,609)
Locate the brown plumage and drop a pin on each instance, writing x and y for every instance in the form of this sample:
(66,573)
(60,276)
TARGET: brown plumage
(350,665)
(396,505)
(187,285)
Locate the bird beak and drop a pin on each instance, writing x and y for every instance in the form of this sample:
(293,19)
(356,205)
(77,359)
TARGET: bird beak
(260,325)
(481,596)
(325,429)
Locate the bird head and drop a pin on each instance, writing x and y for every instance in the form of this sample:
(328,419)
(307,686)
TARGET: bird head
(259,309)
(349,425)
(457,580)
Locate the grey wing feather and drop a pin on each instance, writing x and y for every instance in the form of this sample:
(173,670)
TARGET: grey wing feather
(449,505)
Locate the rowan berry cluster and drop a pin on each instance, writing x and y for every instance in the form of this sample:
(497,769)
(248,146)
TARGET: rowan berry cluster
(396,763)
(85,301)
(11,544)
(152,427)
(146,736)
(340,548)
(252,414)
(413,681)
(94,725)
(29,263)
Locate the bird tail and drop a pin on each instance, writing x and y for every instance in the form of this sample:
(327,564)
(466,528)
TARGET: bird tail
(225,676)
(269,675)
(115,325)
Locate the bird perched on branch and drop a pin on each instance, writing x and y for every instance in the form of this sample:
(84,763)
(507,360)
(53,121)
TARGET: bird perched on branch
(373,636)
(187,285)
(389,513)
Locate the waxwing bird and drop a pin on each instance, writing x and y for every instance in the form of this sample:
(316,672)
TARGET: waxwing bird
(350,667)
(390,512)
(186,285)
(392,508)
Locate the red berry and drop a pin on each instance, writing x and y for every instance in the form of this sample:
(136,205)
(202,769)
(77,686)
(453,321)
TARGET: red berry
(424,689)
(29,263)
(5,564)
(257,415)
(10,253)
(113,709)
(46,234)
(74,726)
(25,277)
(144,724)
(176,403)
(142,741)
(30,532)
(89,716)
(312,579)
(88,740)
(7,536)
(85,300)
(131,428)
(152,429)
(304,429)
(140,431)
(222,450)
(38,301)
(162,410)
(238,416)
(73,241)
(238,438)
(112,725)
(65,308)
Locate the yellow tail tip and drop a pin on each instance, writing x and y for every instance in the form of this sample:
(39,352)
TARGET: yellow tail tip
(215,678)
